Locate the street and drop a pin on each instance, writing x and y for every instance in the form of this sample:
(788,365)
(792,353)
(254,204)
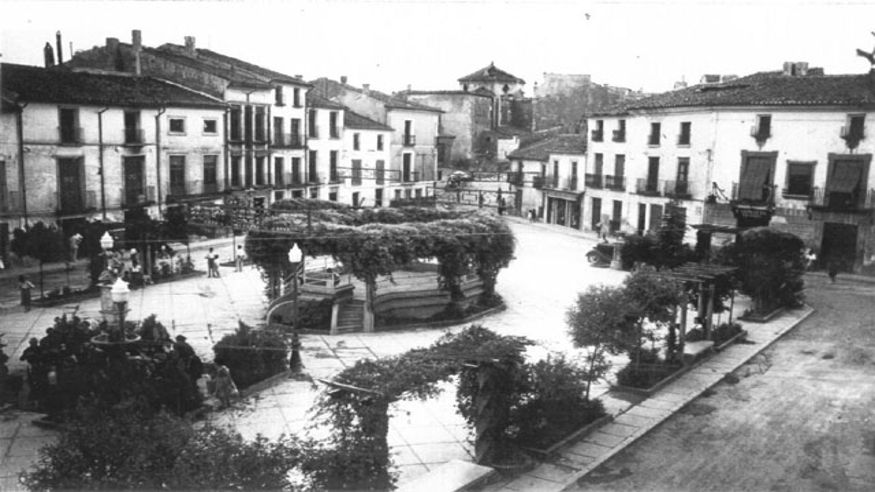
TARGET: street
(797,417)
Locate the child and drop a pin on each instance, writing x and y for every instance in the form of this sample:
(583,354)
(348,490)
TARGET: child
(24,286)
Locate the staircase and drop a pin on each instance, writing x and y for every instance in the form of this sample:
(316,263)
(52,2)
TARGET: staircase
(350,316)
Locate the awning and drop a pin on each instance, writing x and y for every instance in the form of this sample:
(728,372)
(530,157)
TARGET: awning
(564,195)
(754,178)
(845,177)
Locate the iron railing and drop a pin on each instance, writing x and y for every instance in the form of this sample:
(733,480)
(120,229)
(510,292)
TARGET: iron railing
(677,189)
(593,180)
(647,186)
(616,183)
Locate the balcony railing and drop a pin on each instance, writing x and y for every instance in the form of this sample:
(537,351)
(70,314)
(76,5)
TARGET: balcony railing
(677,189)
(410,177)
(134,136)
(193,187)
(516,178)
(87,201)
(646,186)
(598,135)
(408,140)
(616,183)
(70,135)
(313,178)
(765,195)
(570,183)
(292,180)
(619,136)
(593,180)
(288,140)
(835,201)
(852,135)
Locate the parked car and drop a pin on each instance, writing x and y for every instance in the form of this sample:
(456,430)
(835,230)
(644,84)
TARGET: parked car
(601,255)
(458,177)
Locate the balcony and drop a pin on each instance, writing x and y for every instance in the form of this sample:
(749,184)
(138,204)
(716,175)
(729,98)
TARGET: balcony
(291,180)
(410,177)
(288,141)
(593,180)
(852,135)
(67,205)
(858,200)
(313,178)
(763,197)
(619,136)
(132,197)
(677,189)
(134,136)
(192,188)
(538,182)
(516,178)
(70,135)
(760,134)
(598,135)
(333,176)
(616,183)
(408,140)
(648,187)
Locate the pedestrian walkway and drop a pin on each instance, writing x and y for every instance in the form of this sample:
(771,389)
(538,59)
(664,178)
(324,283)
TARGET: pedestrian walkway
(582,456)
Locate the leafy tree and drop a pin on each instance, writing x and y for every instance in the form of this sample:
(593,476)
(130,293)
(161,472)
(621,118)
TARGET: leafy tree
(600,320)
(771,264)
(45,243)
(670,250)
(252,354)
(133,447)
(652,297)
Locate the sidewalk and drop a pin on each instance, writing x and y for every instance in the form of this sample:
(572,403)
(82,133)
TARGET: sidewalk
(579,458)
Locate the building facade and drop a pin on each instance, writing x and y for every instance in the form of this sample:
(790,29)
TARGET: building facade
(790,146)
(366,156)
(93,145)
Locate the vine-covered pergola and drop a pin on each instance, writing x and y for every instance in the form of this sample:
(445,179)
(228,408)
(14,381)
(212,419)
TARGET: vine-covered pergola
(376,242)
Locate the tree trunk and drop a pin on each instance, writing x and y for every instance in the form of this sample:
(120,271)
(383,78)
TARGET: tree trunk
(370,299)
(491,409)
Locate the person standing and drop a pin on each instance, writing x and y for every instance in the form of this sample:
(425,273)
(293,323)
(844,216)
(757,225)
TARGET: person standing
(75,241)
(240,257)
(24,287)
(212,264)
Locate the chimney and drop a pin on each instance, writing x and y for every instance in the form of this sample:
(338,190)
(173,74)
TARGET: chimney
(59,47)
(409,88)
(801,69)
(343,79)
(367,88)
(112,44)
(788,68)
(189,46)
(137,42)
(49,55)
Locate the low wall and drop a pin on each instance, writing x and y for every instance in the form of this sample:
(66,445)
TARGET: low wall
(422,304)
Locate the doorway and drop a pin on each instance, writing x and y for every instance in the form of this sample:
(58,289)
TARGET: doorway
(133,179)
(839,241)
(596,216)
(70,181)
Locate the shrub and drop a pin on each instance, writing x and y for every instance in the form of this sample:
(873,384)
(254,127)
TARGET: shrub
(134,448)
(554,402)
(637,249)
(724,332)
(251,354)
(651,370)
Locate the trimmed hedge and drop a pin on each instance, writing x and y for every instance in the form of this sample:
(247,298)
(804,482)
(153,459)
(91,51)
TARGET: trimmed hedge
(251,355)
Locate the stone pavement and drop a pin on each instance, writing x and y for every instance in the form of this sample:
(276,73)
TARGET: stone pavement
(578,458)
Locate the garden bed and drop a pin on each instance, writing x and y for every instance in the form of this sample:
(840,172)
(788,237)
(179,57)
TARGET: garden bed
(575,434)
(657,385)
(755,317)
(731,340)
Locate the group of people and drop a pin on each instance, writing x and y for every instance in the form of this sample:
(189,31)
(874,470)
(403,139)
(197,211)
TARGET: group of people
(213,261)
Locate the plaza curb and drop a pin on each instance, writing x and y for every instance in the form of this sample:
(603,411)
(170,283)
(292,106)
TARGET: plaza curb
(572,480)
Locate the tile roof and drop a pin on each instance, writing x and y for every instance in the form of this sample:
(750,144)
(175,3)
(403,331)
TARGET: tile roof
(491,74)
(316,101)
(558,144)
(446,93)
(61,85)
(770,89)
(358,122)
(261,71)
(387,100)
(240,78)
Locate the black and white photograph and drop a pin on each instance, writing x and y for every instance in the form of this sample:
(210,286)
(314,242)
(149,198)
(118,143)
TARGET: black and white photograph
(437,245)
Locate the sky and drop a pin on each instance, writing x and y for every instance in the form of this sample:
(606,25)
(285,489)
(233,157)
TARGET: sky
(428,44)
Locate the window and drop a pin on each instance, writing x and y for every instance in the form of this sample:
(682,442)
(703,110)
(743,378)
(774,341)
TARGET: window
(312,175)
(311,123)
(278,128)
(406,171)
(334,131)
(314,192)
(599,164)
(355,199)
(259,170)
(177,125)
(247,170)
(296,170)
(620,132)
(763,128)
(133,133)
(757,176)
(379,142)
(279,170)
(397,194)
(356,172)
(381,171)
(332,166)
(278,96)
(68,126)
(247,123)
(655,132)
(236,133)
(598,131)
(211,126)
(296,133)
(684,136)
(651,183)
(332,194)
(356,144)
(296,96)
(210,173)
(800,178)
(854,131)
(681,186)
(619,165)
(235,170)
(177,175)
(378,197)
(409,139)
(260,134)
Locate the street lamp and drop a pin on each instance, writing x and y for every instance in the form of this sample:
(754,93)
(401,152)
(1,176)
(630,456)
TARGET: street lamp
(106,243)
(119,294)
(295,258)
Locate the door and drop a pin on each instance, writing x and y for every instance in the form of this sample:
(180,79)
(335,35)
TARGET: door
(616,215)
(653,174)
(279,170)
(406,171)
(550,205)
(560,211)
(642,217)
(133,179)
(839,242)
(378,197)
(655,216)
(596,216)
(70,182)
(177,175)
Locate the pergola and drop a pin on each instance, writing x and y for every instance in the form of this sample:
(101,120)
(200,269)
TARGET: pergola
(704,277)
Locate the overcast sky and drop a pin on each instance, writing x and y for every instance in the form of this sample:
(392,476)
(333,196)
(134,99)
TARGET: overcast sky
(429,44)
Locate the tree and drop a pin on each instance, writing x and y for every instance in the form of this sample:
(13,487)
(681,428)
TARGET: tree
(45,243)
(600,320)
(652,298)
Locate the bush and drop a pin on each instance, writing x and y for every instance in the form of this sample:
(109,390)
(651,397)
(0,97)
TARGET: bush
(252,355)
(553,403)
(724,332)
(133,448)
(637,249)
(651,370)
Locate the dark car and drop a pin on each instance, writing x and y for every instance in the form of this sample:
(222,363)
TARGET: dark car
(601,255)
(458,177)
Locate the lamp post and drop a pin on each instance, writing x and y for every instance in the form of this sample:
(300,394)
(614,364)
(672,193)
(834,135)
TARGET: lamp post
(119,293)
(295,257)
(106,243)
